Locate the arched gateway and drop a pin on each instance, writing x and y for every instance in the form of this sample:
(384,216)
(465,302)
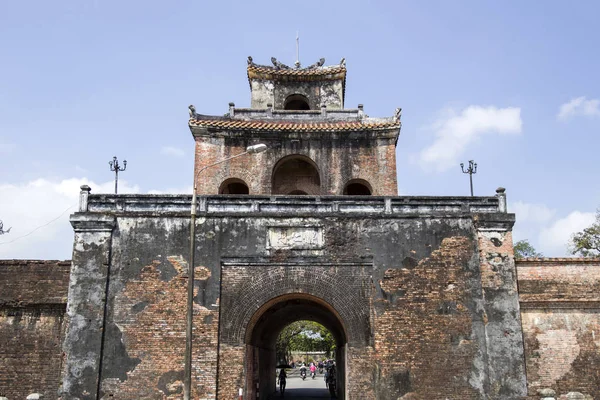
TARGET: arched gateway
(419,292)
(259,299)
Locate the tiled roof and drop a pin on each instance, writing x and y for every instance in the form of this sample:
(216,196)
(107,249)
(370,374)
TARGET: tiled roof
(292,126)
(255,70)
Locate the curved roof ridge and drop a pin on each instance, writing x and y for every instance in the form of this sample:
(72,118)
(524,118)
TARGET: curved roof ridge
(279,69)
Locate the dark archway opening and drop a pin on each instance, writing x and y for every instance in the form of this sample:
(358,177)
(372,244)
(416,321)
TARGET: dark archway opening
(261,340)
(357,188)
(296,102)
(234,186)
(296,174)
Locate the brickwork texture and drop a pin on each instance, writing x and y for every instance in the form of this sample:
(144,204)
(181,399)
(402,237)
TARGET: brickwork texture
(33,298)
(560,308)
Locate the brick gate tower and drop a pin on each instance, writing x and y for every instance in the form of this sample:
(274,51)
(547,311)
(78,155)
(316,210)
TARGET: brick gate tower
(317,147)
(419,292)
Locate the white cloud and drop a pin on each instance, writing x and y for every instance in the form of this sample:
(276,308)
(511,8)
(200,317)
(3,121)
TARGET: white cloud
(531,212)
(456,131)
(172,151)
(579,106)
(26,206)
(554,239)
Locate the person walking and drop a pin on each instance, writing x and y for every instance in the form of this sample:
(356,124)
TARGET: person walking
(282,379)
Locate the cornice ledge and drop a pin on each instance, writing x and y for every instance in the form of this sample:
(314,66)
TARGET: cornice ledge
(498,221)
(92,222)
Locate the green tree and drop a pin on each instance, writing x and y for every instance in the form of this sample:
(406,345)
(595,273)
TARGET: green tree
(587,242)
(304,336)
(524,249)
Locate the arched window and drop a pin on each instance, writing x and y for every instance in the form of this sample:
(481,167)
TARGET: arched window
(357,187)
(296,102)
(297,175)
(234,186)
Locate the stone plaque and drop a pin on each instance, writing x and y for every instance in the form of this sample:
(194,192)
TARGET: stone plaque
(295,237)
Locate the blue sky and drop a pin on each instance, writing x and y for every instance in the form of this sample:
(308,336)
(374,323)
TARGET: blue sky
(512,85)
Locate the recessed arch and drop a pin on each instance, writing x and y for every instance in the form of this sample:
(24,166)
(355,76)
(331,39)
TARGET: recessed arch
(296,102)
(270,319)
(296,174)
(258,300)
(358,187)
(234,186)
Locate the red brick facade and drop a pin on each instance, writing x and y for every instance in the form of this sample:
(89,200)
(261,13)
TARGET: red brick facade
(338,162)
(33,298)
(560,309)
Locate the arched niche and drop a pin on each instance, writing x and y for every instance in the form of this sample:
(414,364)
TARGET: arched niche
(296,102)
(296,174)
(234,186)
(358,187)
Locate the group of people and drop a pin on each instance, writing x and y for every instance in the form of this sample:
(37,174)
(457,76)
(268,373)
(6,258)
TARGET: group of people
(330,374)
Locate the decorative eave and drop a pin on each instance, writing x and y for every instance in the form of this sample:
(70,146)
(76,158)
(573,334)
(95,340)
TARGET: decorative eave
(264,125)
(261,72)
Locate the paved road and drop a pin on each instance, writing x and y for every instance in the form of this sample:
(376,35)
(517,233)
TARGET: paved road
(308,389)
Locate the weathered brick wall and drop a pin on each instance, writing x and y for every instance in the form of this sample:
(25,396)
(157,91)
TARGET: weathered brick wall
(424,341)
(560,310)
(338,160)
(33,296)
(144,349)
(231,368)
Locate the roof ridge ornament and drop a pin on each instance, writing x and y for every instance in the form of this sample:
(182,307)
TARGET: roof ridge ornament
(397,114)
(278,64)
(343,62)
(317,64)
(192,110)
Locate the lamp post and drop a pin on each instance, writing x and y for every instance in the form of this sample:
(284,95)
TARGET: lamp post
(114,166)
(187,387)
(471,170)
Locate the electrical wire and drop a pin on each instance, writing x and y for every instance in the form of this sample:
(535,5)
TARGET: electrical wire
(39,227)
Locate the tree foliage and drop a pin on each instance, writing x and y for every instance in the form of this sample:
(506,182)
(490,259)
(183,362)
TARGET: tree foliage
(587,242)
(303,336)
(524,249)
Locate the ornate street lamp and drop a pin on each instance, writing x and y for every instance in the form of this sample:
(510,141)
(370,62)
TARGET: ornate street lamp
(114,166)
(471,170)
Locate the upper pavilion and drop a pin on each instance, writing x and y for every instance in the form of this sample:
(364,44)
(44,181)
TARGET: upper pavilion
(316,145)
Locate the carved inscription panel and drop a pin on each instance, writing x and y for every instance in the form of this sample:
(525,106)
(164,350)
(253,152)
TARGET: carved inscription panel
(295,237)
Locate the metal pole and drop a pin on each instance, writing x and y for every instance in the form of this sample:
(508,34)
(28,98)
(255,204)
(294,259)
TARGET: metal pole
(116,180)
(187,387)
(471,180)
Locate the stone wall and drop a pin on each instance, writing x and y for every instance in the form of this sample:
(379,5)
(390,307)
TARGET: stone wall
(560,308)
(427,304)
(33,297)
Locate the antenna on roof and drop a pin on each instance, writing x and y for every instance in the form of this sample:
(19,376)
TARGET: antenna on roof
(297,63)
